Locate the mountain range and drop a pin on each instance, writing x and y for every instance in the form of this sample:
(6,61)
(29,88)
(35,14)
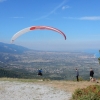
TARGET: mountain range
(12,48)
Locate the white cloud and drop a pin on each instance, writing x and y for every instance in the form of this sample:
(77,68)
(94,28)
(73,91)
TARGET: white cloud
(84,18)
(90,18)
(58,7)
(65,7)
(2,0)
(53,11)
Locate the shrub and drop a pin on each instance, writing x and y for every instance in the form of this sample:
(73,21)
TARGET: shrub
(92,92)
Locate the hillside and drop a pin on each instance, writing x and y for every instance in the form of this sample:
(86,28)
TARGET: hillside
(12,48)
(23,89)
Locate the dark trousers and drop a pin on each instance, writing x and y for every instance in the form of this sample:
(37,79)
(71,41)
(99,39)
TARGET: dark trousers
(40,74)
(77,78)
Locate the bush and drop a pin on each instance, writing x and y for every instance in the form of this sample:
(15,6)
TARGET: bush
(92,92)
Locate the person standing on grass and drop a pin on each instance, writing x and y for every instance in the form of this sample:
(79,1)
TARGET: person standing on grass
(91,74)
(77,74)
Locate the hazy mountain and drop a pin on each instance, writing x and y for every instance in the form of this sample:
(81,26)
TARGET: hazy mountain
(11,48)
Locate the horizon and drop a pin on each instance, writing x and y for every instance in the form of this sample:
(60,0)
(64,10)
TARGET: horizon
(90,51)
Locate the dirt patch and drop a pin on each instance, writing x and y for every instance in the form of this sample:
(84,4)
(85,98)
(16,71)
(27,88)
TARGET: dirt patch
(30,91)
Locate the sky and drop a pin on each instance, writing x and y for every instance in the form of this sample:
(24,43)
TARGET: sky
(78,19)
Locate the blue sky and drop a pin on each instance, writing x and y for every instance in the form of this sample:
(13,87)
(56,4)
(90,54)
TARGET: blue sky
(78,19)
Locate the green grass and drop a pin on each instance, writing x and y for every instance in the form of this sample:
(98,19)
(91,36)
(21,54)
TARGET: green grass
(23,80)
(18,79)
(92,92)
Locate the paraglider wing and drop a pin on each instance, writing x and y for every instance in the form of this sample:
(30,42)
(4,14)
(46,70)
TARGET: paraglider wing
(48,28)
(20,33)
(35,28)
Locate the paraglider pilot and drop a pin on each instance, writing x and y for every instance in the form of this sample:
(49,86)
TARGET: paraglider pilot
(40,72)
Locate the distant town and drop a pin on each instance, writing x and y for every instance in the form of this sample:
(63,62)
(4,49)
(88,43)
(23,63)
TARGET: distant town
(55,65)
